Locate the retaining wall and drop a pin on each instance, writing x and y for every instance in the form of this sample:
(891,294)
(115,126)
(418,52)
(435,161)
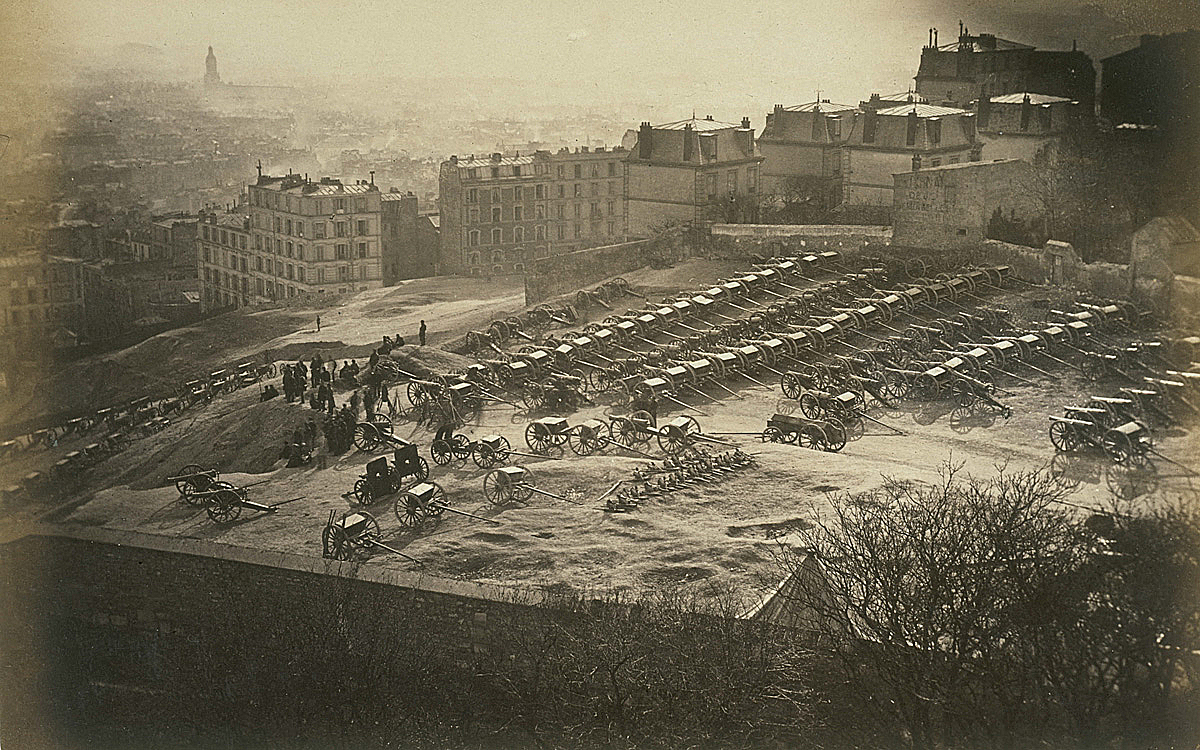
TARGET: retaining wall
(569,272)
(738,240)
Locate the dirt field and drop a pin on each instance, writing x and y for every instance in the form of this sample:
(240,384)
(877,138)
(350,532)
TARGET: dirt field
(726,531)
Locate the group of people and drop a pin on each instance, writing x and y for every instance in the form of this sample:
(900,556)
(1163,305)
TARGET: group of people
(339,430)
(299,450)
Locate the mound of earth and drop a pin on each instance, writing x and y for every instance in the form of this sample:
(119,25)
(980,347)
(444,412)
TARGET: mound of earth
(425,361)
(241,440)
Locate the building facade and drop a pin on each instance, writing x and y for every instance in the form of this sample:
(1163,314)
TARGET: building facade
(409,239)
(958,205)
(41,302)
(498,212)
(1153,84)
(307,237)
(802,151)
(847,155)
(691,171)
(982,65)
(1025,125)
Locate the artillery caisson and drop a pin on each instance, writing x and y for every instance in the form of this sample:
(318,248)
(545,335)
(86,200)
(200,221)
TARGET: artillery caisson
(353,535)
(818,434)
(511,484)
(425,501)
(222,501)
(381,479)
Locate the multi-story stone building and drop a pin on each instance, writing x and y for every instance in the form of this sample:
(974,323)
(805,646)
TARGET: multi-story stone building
(1154,84)
(1025,125)
(802,150)
(982,65)
(849,154)
(41,302)
(226,262)
(690,171)
(410,240)
(498,212)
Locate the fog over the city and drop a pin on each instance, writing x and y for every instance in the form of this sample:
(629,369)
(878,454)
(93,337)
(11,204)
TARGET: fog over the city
(656,58)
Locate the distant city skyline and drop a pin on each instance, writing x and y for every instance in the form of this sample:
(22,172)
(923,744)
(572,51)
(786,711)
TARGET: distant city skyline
(740,60)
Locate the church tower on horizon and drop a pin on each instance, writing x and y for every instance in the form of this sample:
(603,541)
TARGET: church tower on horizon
(211,76)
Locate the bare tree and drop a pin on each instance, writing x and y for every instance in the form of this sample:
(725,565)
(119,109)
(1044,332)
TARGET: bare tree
(984,612)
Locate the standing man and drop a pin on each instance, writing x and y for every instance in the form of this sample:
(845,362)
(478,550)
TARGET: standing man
(318,324)
(421,333)
(325,397)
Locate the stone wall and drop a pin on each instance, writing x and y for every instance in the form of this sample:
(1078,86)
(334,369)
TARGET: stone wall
(569,272)
(743,240)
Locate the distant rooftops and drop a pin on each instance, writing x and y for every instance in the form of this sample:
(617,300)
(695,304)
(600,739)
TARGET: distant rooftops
(497,159)
(824,105)
(700,125)
(921,110)
(300,185)
(1033,99)
(982,43)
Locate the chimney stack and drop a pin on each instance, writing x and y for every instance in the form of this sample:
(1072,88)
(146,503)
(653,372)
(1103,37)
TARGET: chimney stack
(645,140)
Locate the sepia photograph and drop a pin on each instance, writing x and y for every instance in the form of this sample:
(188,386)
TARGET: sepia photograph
(604,375)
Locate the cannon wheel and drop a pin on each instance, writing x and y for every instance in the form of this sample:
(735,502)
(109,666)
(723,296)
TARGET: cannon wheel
(810,406)
(335,543)
(673,439)
(224,506)
(361,494)
(187,487)
(584,440)
(811,436)
(538,438)
(772,435)
(1117,445)
(442,452)
(1063,436)
(790,385)
(498,488)
(624,431)
(366,436)
(964,394)
(534,396)
(835,435)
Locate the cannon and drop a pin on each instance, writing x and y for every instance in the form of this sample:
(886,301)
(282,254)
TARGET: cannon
(826,435)
(192,479)
(673,437)
(370,435)
(427,500)
(223,501)
(352,535)
(545,434)
(382,479)
(845,407)
(513,484)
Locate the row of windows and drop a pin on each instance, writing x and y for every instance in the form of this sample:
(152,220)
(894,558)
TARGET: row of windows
(518,213)
(223,236)
(38,315)
(219,278)
(359,227)
(731,182)
(595,169)
(538,192)
(339,251)
(294,205)
(577,229)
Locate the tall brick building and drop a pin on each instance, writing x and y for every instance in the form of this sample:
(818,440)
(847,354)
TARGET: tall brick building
(497,212)
(42,301)
(295,237)
(980,65)
(690,171)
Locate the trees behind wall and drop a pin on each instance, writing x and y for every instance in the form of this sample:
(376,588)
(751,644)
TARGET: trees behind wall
(988,613)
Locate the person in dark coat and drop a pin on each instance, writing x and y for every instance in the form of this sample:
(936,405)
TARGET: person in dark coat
(325,397)
(421,333)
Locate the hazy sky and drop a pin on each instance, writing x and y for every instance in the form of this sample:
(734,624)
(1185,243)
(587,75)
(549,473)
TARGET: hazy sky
(766,50)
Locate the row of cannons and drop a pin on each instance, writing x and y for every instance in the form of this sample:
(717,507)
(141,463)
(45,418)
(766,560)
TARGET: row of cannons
(142,416)
(692,341)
